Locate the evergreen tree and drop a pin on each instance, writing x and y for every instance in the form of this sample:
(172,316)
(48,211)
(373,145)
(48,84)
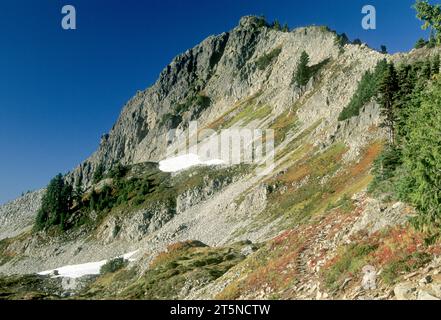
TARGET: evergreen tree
(367,89)
(432,41)
(388,89)
(421,43)
(56,202)
(431,16)
(118,171)
(98,175)
(341,40)
(406,77)
(426,70)
(303,73)
(93,202)
(261,22)
(78,192)
(383,49)
(285,28)
(422,156)
(276,25)
(435,65)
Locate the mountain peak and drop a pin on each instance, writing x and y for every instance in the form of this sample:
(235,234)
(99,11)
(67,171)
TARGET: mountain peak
(251,21)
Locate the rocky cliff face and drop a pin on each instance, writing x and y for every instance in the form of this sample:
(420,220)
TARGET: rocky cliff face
(18,216)
(223,68)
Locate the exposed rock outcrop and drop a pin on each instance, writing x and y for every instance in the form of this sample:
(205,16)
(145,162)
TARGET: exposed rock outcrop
(19,215)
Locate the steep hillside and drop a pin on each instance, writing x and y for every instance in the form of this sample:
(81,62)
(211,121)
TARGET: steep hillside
(307,229)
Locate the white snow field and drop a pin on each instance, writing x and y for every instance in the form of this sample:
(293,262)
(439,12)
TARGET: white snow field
(185,161)
(80,270)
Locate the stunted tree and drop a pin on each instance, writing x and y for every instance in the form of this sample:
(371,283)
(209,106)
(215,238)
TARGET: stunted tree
(303,72)
(421,43)
(78,192)
(341,40)
(98,174)
(436,62)
(388,89)
(276,25)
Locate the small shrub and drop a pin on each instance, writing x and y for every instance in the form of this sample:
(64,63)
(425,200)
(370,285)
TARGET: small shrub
(347,264)
(407,264)
(261,22)
(98,175)
(384,172)
(421,43)
(341,40)
(137,201)
(264,61)
(103,200)
(118,172)
(114,265)
(203,101)
(170,119)
(345,204)
(197,102)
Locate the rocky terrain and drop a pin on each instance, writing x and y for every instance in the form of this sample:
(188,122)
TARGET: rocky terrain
(307,230)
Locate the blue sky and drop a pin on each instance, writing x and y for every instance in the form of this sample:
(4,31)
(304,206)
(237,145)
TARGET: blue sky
(61,90)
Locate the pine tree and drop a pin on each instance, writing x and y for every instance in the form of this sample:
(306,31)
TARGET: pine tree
(285,28)
(98,175)
(78,192)
(383,49)
(56,201)
(426,70)
(93,202)
(432,41)
(406,77)
(388,89)
(421,43)
(341,40)
(276,25)
(421,156)
(302,74)
(435,65)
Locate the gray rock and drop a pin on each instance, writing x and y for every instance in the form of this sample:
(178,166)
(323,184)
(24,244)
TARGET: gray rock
(248,250)
(426,280)
(369,281)
(376,217)
(436,288)
(424,295)
(19,215)
(405,291)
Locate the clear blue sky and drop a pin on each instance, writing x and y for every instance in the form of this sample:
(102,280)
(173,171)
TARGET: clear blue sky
(61,90)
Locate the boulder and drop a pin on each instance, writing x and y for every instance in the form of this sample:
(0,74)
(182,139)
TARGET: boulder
(405,291)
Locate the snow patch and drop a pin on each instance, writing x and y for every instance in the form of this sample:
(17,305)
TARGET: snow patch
(80,270)
(184,162)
